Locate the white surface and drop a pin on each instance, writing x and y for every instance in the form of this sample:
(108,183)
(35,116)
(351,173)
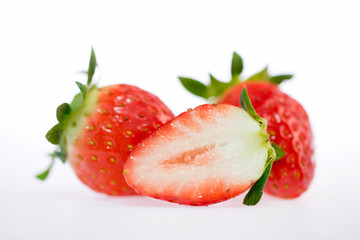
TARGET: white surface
(148,43)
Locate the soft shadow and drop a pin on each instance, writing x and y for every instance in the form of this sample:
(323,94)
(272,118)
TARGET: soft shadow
(147,202)
(141,201)
(237,202)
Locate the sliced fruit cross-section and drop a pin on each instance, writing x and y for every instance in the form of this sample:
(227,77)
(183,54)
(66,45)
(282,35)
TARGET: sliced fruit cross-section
(204,156)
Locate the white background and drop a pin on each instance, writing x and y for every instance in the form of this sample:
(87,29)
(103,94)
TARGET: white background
(43,45)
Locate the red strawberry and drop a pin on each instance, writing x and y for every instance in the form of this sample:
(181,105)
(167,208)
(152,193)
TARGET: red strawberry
(204,156)
(288,125)
(100,128)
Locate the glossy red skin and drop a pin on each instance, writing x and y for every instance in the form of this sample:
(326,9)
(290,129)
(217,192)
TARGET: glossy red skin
(289,127)
(133,115)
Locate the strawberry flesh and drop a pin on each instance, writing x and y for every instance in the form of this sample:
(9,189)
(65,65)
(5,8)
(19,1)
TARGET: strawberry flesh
(204,156)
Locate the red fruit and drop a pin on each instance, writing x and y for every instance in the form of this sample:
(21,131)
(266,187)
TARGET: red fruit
(288,125)
(204,156)
(97,135)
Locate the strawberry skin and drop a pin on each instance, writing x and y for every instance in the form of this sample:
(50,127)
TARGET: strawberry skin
(99,129)
(120,118)
(289,127)
(206,155)
(288,124)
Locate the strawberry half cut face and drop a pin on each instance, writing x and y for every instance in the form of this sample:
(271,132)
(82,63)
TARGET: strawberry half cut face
(204,156)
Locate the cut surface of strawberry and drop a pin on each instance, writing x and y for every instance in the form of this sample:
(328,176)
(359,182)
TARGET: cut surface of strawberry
(203,156)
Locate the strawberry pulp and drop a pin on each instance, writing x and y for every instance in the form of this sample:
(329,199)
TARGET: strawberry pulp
(203,156)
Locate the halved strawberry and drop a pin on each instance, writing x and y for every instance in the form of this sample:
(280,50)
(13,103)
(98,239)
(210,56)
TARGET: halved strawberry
(99,129)
(288,124)
(203,156)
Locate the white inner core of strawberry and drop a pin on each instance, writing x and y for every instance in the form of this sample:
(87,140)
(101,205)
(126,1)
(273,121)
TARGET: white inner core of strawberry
(197,157)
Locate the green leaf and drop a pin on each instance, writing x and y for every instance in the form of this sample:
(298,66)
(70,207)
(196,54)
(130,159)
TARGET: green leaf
(59,154)
(280,78)
(54,134)
(61,112)
(195,87)
(263,75)
(83,89)
(92,67)
(248,107)
(279,152)
(42,176)
(256,191)
(236,65)
(77,101)
(62,153)
(216,87)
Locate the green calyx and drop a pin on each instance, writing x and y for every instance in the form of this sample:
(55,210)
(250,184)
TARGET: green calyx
(279,152)
(216,87)
(245,104)
(56,134)
(256,191)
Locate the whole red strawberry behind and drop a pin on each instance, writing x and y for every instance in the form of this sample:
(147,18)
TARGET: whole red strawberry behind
(100,128)
(288,125)
(289,128)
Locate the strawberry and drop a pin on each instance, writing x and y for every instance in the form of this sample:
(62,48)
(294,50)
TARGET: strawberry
(204,156)
(288,124)
(100,128)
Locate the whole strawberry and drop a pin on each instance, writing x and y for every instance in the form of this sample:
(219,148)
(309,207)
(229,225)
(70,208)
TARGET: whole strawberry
(99,129)
(288,124)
